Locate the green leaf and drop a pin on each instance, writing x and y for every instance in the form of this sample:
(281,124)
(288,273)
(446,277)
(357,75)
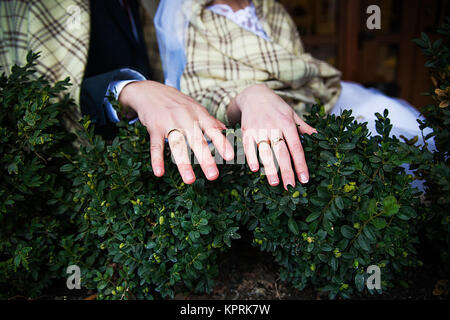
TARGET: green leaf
(372,207)
(360,281)
(361,240)
(365,189)
(66,168)
(17,260)
(102,230)
(313,216)
(334,263)
(369,233)
(347,146)
(197,265)
(194,235)
(379,223)
(348,232)
(339,203)
(390,205)
(325,145)
(293,226)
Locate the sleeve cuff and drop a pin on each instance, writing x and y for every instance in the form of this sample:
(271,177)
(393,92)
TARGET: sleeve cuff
(123,77)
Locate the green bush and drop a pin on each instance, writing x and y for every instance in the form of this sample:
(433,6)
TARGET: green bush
(357,210)
(136,236)
(144,237)
(139,235)
(33,199)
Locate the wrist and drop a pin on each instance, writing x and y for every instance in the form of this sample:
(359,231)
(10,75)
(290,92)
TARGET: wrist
(126,100)
(249,95)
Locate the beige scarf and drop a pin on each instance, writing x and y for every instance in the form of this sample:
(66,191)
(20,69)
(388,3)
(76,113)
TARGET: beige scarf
(223,59)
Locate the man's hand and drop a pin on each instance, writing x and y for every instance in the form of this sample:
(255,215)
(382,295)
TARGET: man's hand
(162,109)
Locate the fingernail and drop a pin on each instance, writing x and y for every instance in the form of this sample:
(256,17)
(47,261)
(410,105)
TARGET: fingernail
(229,154)
(304,178)
(188,175)
(211,172)
(273,181)
(253,167)
(158,171)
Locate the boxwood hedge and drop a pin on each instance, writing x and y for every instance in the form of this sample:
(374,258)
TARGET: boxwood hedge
(134,236)
(144,237)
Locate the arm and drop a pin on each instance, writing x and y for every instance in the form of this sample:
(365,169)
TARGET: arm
(96,89)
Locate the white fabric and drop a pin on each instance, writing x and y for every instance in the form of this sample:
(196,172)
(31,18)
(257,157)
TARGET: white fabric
(364,103)
(246,18)
(171,22)
(124,77)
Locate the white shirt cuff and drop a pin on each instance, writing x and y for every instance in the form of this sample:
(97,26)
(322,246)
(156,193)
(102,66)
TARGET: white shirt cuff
(124,77)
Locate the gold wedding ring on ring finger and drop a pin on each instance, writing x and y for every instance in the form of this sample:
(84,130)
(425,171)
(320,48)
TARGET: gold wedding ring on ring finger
(263,141)
(275,141)
(172,131)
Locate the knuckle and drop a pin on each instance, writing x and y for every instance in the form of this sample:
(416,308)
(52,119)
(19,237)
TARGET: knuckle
(199,142)
(155,147)
(281,153)
(297,146)
(286,120)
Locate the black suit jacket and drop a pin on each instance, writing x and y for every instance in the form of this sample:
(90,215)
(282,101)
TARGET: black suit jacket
(112,47)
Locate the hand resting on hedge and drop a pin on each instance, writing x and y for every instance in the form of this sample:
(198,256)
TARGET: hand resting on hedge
(271,124)
(168,113)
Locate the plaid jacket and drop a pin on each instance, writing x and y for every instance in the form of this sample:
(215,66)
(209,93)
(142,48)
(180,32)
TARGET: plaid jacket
(223,59)
(60,31)
(47,27)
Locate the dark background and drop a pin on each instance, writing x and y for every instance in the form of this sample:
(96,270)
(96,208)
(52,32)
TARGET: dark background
(336,31)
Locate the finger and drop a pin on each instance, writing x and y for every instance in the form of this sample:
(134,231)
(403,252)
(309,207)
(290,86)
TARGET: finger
(284,161)
(177,144)
(266,155)
(221,125)
(302,126)
(157,152)
(201,150)
(297,153)
(221,143)
(248,142)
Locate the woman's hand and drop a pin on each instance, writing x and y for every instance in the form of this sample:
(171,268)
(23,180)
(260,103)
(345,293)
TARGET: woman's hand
(168,113)
(272,125)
